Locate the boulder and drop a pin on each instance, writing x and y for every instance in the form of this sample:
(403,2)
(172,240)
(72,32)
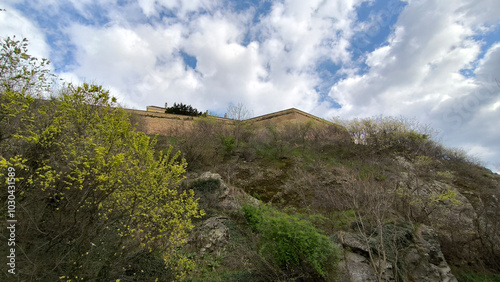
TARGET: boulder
(211,236)
(225,197)
(425,261)
(357,268)
(354,242)
(417,257)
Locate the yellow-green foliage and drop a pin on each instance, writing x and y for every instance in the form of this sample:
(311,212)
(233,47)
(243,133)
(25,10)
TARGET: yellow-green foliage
(388,133)
(91,193)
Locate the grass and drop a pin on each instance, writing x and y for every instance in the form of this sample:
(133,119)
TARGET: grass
(471,276)
(342,219)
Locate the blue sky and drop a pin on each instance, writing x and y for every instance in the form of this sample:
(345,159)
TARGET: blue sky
(436,61)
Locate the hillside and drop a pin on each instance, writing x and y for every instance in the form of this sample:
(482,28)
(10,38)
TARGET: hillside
(396,203)
(88,196)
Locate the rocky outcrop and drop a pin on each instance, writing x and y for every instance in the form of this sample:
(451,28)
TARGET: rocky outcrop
(356,268)
(434,199)
(409,256)
(396,252)
(211,236)
(215,193)
(424,261)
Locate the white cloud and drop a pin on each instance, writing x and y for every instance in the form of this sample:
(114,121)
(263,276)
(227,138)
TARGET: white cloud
(418,75)
(182,8)
(134,50)
(420,63)
(139,60)
(13,23)
(141,64)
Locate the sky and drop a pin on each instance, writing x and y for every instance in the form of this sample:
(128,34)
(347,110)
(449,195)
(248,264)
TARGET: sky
(434,61)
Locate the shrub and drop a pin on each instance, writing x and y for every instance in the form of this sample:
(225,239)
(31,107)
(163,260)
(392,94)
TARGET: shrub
(94,193)
(294,244)
(228,145)
(253,216)
(382,133)
(181,109)
(199,144)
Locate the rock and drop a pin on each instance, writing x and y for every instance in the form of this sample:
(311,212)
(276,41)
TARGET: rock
(425,261)
(358,268)
(211,236)
(439,203)
(353,241)
(418,254)
(208,175)
(225,197)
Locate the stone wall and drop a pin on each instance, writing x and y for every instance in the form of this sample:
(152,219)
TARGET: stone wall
(163,124)
(176,125)
(286,116)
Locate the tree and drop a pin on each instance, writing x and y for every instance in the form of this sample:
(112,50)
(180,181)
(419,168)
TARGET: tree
(91,193)
(22,79)
(22,72)
(238,113)
(393,133)
(181,109)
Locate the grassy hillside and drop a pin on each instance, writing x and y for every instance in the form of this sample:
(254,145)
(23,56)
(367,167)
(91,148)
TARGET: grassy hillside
(88,197)
(391,170)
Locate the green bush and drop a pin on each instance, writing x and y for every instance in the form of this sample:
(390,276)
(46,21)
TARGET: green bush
(294,244)
(253,216)
(394,133)
(181,109)
(228,145)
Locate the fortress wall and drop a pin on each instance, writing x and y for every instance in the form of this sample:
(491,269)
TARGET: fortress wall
(178,125)
(286,115)
(162,123)
(323,129)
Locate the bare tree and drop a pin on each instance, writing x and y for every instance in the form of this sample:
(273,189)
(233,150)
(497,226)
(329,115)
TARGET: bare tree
(372,203)
(238,113)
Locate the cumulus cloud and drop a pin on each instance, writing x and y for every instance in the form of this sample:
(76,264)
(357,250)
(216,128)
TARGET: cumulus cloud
(237,59)
(182,9)
(429,59)
(418,73)
(14,23)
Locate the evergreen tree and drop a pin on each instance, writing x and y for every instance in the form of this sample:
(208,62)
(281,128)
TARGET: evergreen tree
(182,109)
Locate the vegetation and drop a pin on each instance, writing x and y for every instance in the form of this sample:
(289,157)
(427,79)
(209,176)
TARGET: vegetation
(472,276)
(105,202)
(90,193)
(181,109)
(364,177)
(294,244)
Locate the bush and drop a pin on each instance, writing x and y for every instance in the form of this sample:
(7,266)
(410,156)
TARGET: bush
(94,193)
(383,133)
(181,109)
(199,144)
(228,145)
(468,275)
(253,216)
(294,244)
